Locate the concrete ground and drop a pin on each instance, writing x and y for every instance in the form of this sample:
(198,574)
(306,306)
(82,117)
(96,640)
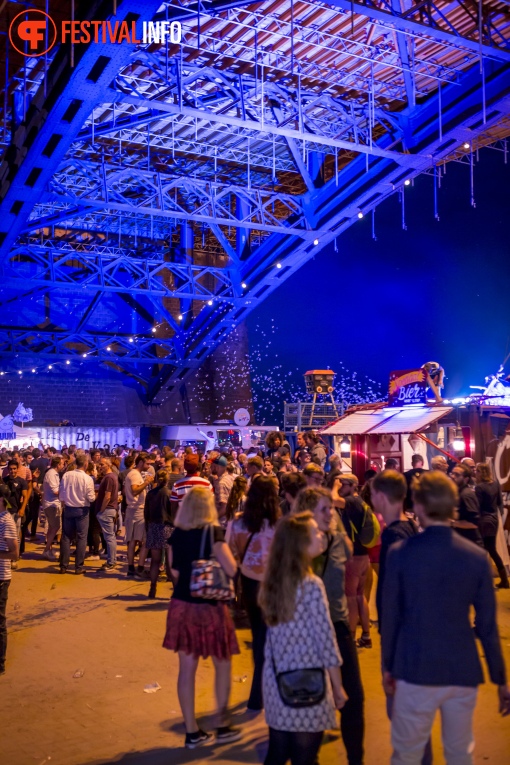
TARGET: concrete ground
(102,628)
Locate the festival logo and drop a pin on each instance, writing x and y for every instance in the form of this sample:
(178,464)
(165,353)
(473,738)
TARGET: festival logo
(408,387)
(32,33)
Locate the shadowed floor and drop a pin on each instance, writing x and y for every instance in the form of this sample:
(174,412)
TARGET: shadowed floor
(104,627)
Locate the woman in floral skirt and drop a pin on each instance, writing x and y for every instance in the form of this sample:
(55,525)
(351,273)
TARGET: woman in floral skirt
(197,627)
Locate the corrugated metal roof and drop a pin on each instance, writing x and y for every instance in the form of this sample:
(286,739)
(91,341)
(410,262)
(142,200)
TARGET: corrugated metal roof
(407,420)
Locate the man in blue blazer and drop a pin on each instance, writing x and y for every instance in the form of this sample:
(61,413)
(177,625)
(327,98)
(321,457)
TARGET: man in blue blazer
(428,643)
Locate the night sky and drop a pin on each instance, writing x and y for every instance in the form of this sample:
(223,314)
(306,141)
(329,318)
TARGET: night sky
(439,291)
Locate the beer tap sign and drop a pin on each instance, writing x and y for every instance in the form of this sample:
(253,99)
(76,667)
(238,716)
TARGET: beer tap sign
(408,387)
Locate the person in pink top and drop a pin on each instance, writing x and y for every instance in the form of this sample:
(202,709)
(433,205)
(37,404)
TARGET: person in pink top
(250,540)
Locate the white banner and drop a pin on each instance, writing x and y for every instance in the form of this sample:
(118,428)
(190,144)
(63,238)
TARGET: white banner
(90,438)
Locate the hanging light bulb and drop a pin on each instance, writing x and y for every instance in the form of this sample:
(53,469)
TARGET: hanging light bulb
(458,441)
(345,447)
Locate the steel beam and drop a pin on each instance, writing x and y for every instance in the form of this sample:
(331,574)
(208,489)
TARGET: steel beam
(65,346)
(111,270)
(404,23)
(53,120)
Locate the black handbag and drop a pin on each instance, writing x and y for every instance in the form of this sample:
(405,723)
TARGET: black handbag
(299,687)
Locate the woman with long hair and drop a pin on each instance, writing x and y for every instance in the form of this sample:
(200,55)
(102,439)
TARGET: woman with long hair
(236,498)
(197,627)
(300,636)
(158,526)
(490,500)
(250,540)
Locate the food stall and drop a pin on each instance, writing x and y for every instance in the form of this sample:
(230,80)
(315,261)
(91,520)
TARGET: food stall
(410,422)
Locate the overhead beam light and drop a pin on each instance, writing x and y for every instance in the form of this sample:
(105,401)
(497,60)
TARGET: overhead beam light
(180,317)
(50,367)
(467,145)
(153,329)
(316,242)
(33,370)
(68,362)
(108,348)
(407,182)
(209,302)
(278,265)
(244,285)
(84,355)
(360,215)
(131,340)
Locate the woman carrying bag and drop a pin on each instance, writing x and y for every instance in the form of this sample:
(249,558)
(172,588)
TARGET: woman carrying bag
(301,683)
(199,621)
(250,540)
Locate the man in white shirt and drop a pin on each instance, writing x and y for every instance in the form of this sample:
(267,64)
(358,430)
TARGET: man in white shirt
(135,489)
(76,492)
(51,505)
(222,485)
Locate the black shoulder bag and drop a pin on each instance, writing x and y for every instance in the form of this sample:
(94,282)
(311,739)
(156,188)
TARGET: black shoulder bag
(299,687)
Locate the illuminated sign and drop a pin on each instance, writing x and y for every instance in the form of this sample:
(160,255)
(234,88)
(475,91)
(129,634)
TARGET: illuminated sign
(408,387)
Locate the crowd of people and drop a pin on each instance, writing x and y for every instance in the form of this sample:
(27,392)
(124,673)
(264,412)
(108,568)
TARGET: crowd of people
(291,539)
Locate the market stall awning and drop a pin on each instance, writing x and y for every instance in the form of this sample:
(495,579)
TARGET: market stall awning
(388,420)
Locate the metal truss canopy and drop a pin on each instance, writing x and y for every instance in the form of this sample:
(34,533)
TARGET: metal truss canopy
(176,190)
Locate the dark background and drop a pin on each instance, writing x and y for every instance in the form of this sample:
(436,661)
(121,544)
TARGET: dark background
(439,291)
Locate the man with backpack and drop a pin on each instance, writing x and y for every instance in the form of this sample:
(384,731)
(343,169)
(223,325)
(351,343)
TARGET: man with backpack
(363,528)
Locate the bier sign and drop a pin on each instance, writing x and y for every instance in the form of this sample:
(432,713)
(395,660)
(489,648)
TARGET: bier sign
(408,386)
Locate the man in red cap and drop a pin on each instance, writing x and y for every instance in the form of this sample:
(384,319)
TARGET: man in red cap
(190,480)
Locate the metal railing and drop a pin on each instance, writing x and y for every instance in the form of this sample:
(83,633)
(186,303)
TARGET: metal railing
(306,415)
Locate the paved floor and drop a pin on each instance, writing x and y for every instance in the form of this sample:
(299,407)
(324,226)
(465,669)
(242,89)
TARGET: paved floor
(103,628)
